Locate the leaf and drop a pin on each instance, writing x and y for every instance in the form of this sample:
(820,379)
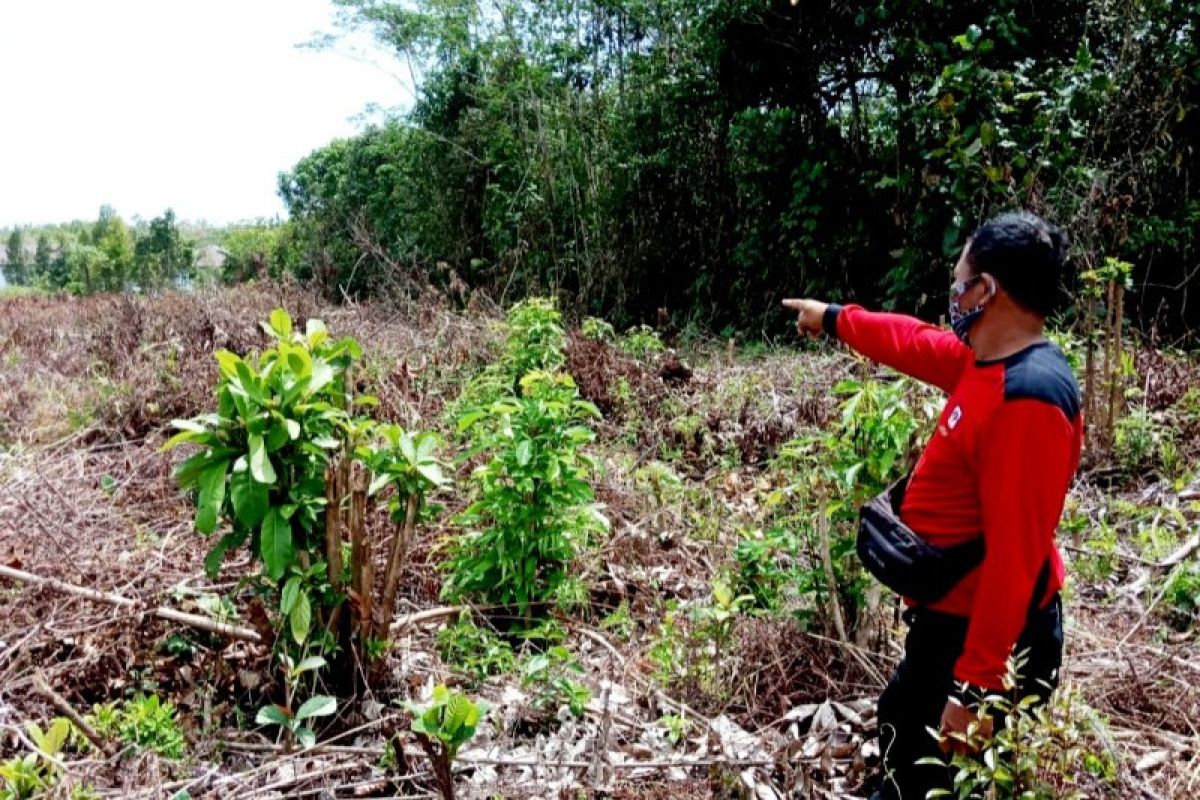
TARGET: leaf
(432,473)
(293,428)
(275,543)
(291,590)
(227,362)
(189,425)
(524,452)
(322,376)
(308,665)
(315,332)
(260,462)
(272,715)
(186,437)
(35,733)
(301,618)
(306,737)
(281,322)
(211,497)
(456,713)
(250,498)
(320,705)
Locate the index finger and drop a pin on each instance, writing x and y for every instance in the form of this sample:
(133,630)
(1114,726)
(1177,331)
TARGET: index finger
(793,303)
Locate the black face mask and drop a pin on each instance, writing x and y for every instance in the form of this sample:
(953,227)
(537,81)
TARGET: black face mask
(962,321)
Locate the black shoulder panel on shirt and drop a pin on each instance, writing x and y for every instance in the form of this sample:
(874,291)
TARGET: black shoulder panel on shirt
(1042,373)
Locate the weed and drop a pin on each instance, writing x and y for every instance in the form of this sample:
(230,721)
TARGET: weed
(1182,595)
(293,722)
(1141,442)
(477,652)
(676,727)
(641,341)
(145,723)
(1044,752)
(546,674)
(598,330)
(34,774)
(1098,560)
(760,575)
(620,622)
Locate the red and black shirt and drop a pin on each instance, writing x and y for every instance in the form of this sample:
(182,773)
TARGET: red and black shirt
(1000,462)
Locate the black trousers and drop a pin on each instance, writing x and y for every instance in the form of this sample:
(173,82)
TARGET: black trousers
(913,701)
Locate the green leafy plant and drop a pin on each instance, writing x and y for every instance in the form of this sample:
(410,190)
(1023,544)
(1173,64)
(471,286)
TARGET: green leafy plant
(35,773)
(826,476)
(288,466)
(442,727)
(761,574)
(476,651)
(620,622)
(293,722)
(641,341)
(144,722)
(536,339)
(547,675)
(676,726)
(597,330)
(534,506)
(1044,752)
(1182,595)
(1141,442)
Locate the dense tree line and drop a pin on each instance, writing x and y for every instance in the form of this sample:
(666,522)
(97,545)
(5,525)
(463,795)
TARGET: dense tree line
(105,256)
(711,156)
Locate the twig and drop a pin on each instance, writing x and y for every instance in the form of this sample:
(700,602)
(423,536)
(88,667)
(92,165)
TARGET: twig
(58,701)
(1185,550)
(835,605)
(192,620)
(427,616)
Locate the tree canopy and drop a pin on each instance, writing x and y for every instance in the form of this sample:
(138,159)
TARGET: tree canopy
(711,156)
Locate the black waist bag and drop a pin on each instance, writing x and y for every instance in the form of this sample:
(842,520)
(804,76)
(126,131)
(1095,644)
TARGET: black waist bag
(903,561)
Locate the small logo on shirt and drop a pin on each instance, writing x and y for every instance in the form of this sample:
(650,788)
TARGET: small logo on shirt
(955,416)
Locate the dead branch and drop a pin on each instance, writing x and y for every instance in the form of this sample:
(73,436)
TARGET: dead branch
(67,710)
(162,612)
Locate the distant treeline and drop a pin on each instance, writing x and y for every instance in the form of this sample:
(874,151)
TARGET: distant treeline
(102,256)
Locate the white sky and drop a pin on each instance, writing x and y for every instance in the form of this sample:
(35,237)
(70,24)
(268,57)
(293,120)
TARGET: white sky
(192,104)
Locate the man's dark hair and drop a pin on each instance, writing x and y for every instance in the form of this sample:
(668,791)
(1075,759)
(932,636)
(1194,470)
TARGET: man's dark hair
(1025,254)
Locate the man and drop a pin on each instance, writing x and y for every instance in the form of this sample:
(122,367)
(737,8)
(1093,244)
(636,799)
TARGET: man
(999,465)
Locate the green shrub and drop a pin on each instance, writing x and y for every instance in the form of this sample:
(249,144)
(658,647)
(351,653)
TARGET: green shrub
(534,506)
(1055,751)
(598,330)
(547,675)
(1182,595)
(1142,443)
(477,652)
(145,722)
(641,341)
(279,467)
(840,469)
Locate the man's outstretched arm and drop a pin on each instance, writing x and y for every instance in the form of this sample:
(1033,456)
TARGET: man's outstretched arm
(916,348)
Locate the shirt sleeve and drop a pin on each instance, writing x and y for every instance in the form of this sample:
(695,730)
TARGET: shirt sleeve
(1025,459)
(918,349)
